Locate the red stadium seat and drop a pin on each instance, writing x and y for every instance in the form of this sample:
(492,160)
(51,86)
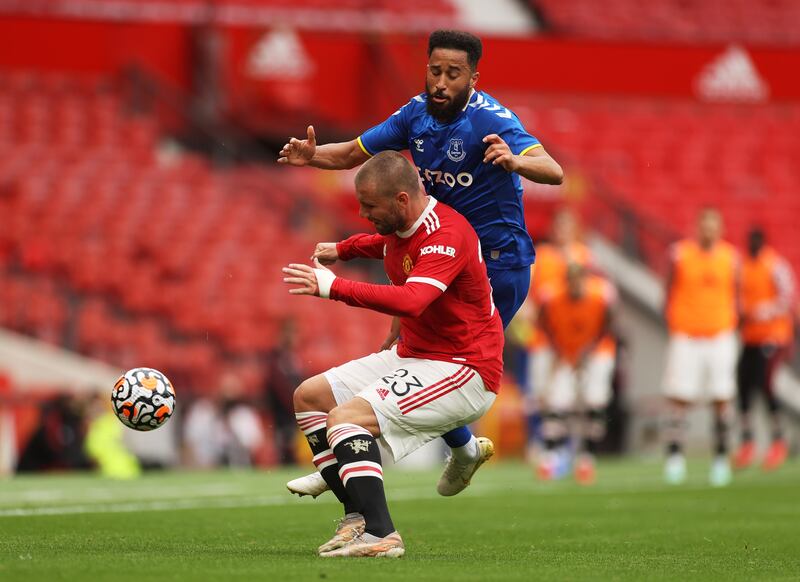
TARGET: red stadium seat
(666,160)
(770,23)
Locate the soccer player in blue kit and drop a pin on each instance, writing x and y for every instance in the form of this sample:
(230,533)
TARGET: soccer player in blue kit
(471,153)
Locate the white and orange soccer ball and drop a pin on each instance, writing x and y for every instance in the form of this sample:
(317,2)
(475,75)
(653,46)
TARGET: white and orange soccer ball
(143,399)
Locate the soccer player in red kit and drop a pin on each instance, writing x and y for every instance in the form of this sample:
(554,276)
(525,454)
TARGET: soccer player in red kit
(443,373)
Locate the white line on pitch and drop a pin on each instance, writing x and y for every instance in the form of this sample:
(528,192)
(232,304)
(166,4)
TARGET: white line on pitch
(199,501)
(183,504)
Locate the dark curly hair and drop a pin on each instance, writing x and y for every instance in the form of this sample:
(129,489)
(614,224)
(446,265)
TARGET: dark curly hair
(458,40)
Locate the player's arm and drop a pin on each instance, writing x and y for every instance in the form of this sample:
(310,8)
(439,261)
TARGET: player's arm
(783,280)
(737,290)
(364,246)
(392,134)
(546,327)
(408,300)
(669,283)
(331,156)
(368,246)
(785,284)
(428,279)
(532,163)
(605,330)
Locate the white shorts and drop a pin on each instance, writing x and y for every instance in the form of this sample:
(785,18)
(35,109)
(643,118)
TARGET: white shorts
(540,367)
(697,363)
(592,382)
(415,400)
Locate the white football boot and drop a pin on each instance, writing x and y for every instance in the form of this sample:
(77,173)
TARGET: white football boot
(312,484)
(457,476)
(675,469)
(347,529)
(369,546)
(720,473)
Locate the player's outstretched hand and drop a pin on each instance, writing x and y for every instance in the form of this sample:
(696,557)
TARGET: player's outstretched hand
(299,152)
(325,253)
(499,154)
(303,277)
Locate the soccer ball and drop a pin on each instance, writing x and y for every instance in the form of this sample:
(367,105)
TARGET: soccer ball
(143,399)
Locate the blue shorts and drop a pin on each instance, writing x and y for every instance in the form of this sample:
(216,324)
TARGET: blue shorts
(509,290)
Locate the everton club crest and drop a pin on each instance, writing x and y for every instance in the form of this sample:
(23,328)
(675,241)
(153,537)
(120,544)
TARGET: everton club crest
(456,150)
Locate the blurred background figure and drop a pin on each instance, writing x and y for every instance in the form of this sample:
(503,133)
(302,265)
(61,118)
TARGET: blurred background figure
(225,430)
(576,319)
(701,314)
(767,300)
(549,275)
(204,438)
(56,443)
(104,440)
(283,373)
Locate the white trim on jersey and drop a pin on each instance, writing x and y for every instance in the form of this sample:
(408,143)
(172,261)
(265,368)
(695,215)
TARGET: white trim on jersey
(431,222)
(420,220)
(438,284)
(471,93)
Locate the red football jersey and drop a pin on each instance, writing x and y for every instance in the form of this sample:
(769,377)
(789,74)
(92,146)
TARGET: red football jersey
(439,289)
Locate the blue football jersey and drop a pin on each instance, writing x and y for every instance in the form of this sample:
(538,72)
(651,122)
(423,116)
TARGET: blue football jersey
(449,158)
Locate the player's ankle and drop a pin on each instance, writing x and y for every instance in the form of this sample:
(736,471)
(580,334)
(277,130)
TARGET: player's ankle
(469,452)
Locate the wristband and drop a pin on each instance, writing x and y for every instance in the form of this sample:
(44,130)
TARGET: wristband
(324,281)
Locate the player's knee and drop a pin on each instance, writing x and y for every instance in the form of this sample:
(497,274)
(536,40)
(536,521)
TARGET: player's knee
(305,397)
(356,411)
(339,415)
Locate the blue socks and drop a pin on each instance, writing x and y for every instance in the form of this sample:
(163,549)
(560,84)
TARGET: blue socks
(457,437)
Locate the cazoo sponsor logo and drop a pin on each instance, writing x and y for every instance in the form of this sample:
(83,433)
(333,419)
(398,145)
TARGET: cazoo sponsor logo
(439,177)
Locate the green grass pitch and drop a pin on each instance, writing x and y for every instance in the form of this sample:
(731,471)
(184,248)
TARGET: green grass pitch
(506,526)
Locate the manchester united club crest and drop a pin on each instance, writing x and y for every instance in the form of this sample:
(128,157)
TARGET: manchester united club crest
(359,446)
(456,150)
(407,264)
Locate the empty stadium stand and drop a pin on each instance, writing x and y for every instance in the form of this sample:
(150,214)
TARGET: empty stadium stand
(772,22)
(663,160)
(339,15)
(121,249)
(138,258)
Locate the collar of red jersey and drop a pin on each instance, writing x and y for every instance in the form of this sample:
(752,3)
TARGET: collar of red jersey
(418,222)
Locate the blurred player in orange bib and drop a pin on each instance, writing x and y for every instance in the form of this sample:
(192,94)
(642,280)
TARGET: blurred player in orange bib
(767,294)
(553,258)
(701,314)
(576,320)
(548,277)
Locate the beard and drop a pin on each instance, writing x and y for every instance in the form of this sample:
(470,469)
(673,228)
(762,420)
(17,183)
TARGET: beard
(447,111)
(389,225)
(384,228)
